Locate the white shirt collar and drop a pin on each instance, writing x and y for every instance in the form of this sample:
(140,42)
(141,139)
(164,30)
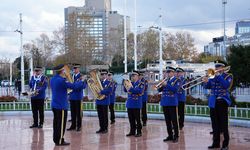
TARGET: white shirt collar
(171,77)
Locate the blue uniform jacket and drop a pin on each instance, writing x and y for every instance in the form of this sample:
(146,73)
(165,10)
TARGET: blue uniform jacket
(169,95)
(40,84)
(220,86)
(112,96)
(135,95)
(181,93)
(107,89)
(77,94)
(145,90)
(59,87)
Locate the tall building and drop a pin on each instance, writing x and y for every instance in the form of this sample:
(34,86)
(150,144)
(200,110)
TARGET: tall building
(242,27)
(89,30)
(104,5)
(241,37)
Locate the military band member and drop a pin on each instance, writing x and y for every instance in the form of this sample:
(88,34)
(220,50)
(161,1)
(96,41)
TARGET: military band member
(134,104)
(169,102)
(181,97)
(59,103)
(75,98)
(38,84)
(112,97)
(144,100)
(102,105)
(220,100)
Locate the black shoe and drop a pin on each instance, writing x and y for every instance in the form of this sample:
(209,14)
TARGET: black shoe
(211,132)
(78,129)
(34,126)
(175,140)
(112,122)
(224,148)
(169,138)
(130,134)
(70,129)
(40,126)
(213,146)
(63,144)
(104,131)
(99,131)
(138,135)
(69,120)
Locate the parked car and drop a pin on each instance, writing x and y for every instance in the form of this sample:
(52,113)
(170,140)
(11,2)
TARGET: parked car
(5,83)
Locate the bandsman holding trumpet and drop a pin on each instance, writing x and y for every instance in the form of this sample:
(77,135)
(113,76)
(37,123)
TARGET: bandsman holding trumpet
(169,102)
(38,84)
(75,98)
(181,96)
(220,100)
(134,103)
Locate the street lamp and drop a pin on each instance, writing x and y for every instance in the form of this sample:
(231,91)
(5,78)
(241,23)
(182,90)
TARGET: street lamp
(21,49)
(160,49)
(125,38)
(224,2)
(135,41)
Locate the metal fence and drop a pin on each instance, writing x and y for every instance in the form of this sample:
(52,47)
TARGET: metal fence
(241,94)
(194,110)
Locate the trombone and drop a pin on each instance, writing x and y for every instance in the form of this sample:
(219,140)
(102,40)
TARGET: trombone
(211,73)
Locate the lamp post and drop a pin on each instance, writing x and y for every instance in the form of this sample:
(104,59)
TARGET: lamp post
(224,2)
(135,41)
(21,49)
(125,38)
(160,49)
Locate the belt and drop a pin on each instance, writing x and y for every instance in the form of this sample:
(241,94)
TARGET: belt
(219,97)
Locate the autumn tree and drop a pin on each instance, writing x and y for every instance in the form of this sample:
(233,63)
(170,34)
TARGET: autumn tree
(179,46)
(40,49)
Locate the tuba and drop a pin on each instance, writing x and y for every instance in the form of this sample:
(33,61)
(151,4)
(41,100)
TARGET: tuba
(68,76)
(126,82)
(95,85)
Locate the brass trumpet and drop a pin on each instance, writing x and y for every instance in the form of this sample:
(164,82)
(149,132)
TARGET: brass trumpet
(159,85)
(211,73)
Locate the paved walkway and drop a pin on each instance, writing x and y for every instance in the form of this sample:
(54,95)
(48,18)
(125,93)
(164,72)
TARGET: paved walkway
(16,134)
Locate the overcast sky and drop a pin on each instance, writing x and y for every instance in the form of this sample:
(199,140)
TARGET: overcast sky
(47,15)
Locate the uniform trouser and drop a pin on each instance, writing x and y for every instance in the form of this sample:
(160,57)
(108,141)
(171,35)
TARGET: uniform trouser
(144,117)
(37,106)
(76,114)
(181,110)
(134,120)
(102,111)
(212,116)
(171,118)
(221,122)
(59,124)
(112,112)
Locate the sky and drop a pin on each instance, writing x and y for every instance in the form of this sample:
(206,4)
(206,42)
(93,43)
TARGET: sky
(201,18)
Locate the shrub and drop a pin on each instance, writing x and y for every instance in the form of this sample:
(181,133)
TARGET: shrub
(7,99)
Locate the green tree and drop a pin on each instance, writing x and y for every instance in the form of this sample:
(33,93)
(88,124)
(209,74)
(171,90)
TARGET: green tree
(239,61)
(206,58)
(17,68)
